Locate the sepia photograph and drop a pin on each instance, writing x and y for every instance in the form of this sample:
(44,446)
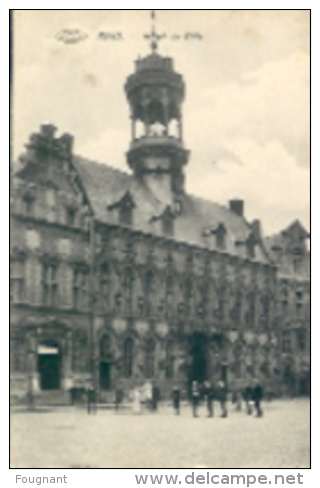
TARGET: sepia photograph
(160,239)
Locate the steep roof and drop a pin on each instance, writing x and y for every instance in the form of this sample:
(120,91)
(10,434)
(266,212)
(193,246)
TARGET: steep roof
(105,186)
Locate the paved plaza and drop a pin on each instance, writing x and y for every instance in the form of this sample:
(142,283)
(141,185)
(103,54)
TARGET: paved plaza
(69,438)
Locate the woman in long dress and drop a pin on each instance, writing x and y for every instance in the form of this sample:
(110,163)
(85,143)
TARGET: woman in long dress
(137,401)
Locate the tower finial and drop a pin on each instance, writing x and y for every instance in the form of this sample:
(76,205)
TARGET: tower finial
(153,37)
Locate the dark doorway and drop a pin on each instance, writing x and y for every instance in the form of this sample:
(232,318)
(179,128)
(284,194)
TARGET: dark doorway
(49,367)
(105,375)
(198,351)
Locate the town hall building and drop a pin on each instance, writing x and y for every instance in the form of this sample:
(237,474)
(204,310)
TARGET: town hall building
(118,278)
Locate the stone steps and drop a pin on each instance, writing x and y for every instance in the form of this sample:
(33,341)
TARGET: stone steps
(52,398)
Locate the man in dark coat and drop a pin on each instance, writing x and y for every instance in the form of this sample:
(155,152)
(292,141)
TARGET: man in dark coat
(223,399)
(176,400)
(208,393)
(155,398)
(247,396)
(91,400)
(257,394)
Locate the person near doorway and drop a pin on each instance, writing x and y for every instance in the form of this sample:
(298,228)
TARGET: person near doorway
(195,397)
(137,400)
(155,398)
(91,400)
(208,393)
(247,396)
(223,398)
(118,395)
(257,394)
(176,400)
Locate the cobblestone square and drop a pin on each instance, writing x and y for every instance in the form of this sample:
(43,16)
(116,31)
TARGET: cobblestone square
(70,438)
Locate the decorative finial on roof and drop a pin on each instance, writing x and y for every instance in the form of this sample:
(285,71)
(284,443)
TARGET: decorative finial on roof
(153,36)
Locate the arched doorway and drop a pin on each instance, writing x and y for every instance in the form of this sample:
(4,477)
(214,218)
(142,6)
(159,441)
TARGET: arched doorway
(49,365)
(105,365)
(199,357)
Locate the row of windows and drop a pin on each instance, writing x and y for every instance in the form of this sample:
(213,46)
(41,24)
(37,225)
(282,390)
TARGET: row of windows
(66,215)
(49,285)
(289,340)
(123,302)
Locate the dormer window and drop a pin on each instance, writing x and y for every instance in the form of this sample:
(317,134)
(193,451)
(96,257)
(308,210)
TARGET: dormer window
(125,215)
(178,207)
(28,205)
(125,208)
(167,226)
(250,245)
(168,222)
(221,237)
(297,261)
(70,216)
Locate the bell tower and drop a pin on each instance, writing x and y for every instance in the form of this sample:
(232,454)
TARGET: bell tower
(155,93)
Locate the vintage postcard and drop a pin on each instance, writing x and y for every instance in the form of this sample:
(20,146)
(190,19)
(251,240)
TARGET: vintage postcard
(160,225)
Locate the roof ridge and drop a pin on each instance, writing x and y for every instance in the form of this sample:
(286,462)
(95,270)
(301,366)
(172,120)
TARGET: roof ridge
(83,159)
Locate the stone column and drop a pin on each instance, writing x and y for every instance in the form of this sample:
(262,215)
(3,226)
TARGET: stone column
(32,370)
(67,378)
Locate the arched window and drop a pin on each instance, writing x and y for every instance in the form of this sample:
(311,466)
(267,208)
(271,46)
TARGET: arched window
(17,353)
(80,353)
(104,287)
(105,348)
(150,359)
(169,360)
(128,357)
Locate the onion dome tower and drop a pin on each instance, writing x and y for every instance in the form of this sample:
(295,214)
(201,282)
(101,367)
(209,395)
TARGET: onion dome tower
(155,93)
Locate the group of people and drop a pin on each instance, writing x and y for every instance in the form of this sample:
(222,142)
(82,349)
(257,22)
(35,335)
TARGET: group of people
(209,393)
(147,397)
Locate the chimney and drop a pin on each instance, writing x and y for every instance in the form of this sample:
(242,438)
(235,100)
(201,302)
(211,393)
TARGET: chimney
(237,206)
(48,130)
(256,229)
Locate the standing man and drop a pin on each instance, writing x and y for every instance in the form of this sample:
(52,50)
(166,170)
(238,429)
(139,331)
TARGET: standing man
(155,398)
(91,400)
(223,399)
(209,397)
(195,396)
(257,395)
(247,396)
(176,400)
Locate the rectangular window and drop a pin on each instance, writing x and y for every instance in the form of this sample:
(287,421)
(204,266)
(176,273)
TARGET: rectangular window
(70,216)
(286,341)
(17,353)
(125,215)
(104,288)
(17,281)
(51,205)
(50,285)
(302,339)
(297,262)
(167,225)
(28,206)
(79,289)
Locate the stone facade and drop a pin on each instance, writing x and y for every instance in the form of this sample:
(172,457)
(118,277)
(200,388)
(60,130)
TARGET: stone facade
(119,278)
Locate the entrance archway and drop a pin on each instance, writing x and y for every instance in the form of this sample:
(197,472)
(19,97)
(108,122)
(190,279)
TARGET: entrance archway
(105,363)
(49,366)
(199,357)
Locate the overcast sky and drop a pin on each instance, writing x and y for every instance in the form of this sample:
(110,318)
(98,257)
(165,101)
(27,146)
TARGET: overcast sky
(246,113)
